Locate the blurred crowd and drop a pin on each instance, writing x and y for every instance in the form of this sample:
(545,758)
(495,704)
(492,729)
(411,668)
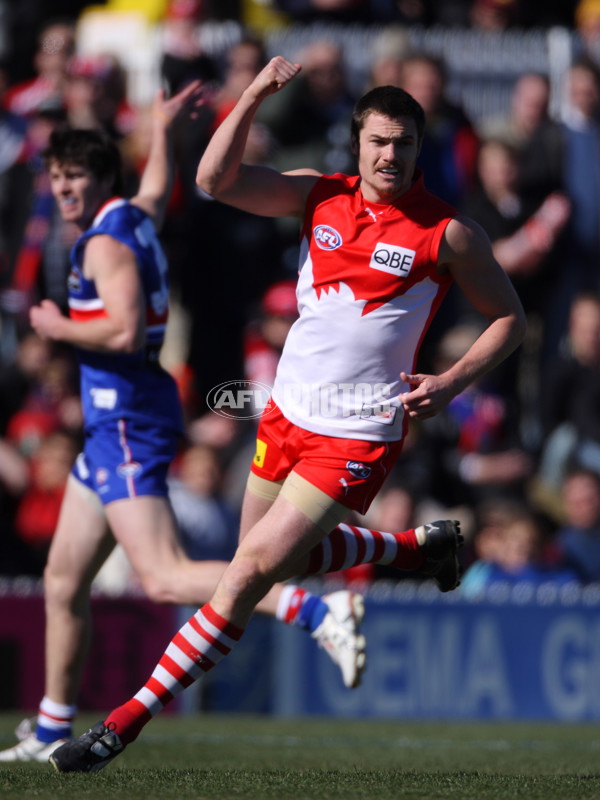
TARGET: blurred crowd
(516,458)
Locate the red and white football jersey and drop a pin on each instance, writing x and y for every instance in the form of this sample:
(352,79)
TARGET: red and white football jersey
(367,291)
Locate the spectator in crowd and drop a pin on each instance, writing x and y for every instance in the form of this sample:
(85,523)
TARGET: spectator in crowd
(21,374)
(509,549)
(449,151)
(587,25)
(40,404)
(95,96)
(581,178)
(37,511)
(389,50)
(577,541)
(571,397)
(208,526)
(523,236)
(183,59)
(576,363)
(528,109)
(565,157)
(311,123)
(475,446)
(38,257)
(56,45)
(233,439)
(51,403)
(243,61)
(537,136)
(527,235)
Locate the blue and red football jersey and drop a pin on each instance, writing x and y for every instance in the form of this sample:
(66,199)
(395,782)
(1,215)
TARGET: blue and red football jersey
(126,385)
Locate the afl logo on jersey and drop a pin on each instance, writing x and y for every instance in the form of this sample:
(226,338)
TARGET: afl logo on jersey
(327,238)
(358,470)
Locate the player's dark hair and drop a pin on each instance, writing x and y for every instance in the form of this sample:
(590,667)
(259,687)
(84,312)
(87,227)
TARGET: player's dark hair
(91,149)
(389,101)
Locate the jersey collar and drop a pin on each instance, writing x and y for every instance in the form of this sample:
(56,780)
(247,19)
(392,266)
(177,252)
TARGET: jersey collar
(106,207)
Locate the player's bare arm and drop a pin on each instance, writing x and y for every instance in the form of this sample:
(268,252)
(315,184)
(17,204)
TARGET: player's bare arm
(113,267)
(260,190)
(155,184)
(466,253)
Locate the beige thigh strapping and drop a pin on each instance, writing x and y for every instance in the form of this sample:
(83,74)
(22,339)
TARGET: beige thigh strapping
(266,490)
(324,511)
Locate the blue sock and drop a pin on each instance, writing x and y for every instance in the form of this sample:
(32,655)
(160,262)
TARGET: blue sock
(54,720)
(311,613)
(51,734)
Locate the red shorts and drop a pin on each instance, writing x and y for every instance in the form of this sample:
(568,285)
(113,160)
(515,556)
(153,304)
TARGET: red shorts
(350,471)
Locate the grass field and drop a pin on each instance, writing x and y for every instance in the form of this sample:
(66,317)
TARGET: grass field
(225,757)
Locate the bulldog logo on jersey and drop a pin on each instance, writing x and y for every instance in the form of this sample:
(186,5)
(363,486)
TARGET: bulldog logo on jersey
(358,470)
(129,469)
(393,259)
(327,238)
(74,281)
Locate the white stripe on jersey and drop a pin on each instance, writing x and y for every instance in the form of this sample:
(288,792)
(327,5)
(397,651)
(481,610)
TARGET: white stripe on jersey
(117,203)
(91,304)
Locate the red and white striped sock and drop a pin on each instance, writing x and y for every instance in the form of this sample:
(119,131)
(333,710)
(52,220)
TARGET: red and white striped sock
(348,545)
(196,648)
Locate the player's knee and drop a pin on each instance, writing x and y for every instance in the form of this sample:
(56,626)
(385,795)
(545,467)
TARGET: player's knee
(161,588)
(247,578)
(61,588)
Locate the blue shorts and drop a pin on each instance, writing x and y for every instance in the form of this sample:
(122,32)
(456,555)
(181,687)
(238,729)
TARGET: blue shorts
(126,458)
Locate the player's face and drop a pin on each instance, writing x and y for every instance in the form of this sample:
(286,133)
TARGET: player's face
(387,156)
(77,192)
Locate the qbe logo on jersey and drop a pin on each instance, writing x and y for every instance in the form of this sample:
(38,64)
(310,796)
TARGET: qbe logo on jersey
(393,259)
(327,238)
